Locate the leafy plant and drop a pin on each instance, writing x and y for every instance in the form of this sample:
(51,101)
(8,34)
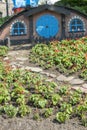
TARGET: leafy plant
(48,112)
(10,110)
(23,110)
(61,117)
(56,98)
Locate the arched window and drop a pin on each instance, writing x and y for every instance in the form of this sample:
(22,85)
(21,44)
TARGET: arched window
(18,29)
(76,25)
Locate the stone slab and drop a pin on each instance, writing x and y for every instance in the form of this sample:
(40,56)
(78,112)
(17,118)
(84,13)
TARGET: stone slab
(62,78)
(76,81)
(84,86)
(34,69)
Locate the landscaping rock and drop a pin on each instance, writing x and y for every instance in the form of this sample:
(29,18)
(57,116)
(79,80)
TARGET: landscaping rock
(6,58)
(84,86)
(62,78)
(22,58)
(76,81)
(84,90)
(52,75)
(34,69)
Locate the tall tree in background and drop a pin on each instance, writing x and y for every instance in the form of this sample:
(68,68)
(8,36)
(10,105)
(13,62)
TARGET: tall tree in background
(80,5)
(7,13)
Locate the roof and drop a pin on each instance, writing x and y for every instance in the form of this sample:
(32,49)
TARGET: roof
(57,9)
(34,10)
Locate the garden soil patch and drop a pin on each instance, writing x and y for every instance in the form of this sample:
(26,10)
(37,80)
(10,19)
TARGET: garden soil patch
(18,58)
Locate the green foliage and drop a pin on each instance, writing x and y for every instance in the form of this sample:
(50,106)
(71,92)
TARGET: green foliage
(76,4)
(48,112)
(3,20)
(56,98)
(61,117)
(24,110)
(3,50)
(67,56)
(10,110)
(23,92)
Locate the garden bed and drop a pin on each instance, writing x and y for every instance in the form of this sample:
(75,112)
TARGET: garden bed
(29,101)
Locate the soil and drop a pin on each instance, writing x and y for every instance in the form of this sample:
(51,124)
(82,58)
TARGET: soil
(28,123)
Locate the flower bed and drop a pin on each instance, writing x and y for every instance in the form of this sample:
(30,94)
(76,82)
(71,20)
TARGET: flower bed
(24,92)
(67,56)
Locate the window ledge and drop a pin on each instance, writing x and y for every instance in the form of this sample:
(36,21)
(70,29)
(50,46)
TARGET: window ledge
(76,31)
(19,35)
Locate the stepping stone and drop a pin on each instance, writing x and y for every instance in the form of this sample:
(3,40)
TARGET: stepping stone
(6,58)
(45,73)
(69,78)
(49,80)
(84,90)
(84,86)
(62,78)
(52,75)
(34,69)
(13,63)
(12,53)
(22,58)
(76,81)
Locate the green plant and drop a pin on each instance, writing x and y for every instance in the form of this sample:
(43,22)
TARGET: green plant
(23,110)
(75,97)
(10,110)
(61,117)
(48,112)
(56,98)
(65,107)
(36,116)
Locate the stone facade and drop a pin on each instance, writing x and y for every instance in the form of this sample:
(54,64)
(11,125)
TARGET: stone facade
(3,8)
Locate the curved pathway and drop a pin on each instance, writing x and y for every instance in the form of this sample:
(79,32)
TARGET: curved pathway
(18,57)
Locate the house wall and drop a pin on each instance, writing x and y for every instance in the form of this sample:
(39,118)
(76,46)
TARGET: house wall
(6,32)
(67,23)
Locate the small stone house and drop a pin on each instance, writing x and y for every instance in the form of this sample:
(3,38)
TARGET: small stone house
(42,23)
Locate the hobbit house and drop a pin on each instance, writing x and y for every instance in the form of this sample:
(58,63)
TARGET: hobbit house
(42,23)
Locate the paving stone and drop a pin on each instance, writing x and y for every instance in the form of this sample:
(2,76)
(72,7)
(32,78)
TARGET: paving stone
(69,78)
(13,63)
(76,81)
(34,69)
(22,58)
(84,85)
(13,53)
(45,73)
(49,80)
(52,75)
(84,90)
(6,58)
(62,78)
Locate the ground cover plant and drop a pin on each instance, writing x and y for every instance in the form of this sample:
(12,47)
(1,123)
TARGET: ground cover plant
(24,92)
(66,56)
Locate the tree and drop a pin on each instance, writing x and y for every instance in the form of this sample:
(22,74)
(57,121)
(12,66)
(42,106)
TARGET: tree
(80,5)
(7,8)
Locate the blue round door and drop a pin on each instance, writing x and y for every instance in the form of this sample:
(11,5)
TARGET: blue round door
(47,26)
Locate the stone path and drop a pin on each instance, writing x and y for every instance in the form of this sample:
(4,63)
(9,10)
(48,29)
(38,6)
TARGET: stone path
(18,58)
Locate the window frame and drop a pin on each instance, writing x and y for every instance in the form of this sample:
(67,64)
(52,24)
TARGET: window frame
(76,25)
(18,29)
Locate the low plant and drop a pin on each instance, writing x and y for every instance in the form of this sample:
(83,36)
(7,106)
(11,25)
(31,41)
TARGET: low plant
(10,110)
(48,112)
(61,117)
(23,110)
